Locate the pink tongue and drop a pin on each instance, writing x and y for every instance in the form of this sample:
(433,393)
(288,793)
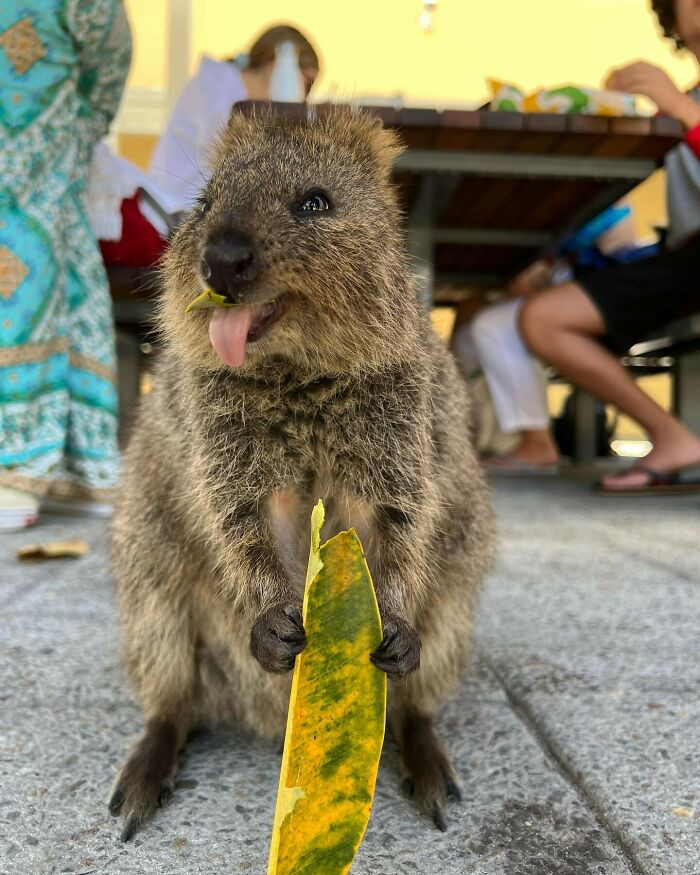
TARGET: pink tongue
(228,332)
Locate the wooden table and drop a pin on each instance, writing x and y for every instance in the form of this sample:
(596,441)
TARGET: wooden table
(484,192)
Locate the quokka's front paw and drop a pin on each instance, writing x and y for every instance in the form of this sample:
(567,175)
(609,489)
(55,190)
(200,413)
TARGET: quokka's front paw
(399,652)
(277,637)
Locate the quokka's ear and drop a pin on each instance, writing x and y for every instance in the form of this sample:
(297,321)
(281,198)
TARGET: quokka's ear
(368,136)
(386,145)
(230,138)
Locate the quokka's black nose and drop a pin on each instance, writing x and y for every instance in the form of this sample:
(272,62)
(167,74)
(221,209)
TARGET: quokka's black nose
(229,264)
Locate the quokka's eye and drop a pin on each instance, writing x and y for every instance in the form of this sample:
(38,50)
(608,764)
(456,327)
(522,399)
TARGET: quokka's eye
(314,202)
(203,206)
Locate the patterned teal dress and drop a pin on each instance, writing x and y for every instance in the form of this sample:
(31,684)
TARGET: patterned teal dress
(63,64)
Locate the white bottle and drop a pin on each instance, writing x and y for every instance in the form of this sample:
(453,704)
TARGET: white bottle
(285,83)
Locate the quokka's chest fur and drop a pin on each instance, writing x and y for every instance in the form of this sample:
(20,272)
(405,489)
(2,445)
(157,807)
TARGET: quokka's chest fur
(273,433)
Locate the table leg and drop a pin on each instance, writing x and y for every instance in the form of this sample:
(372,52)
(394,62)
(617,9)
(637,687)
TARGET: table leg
(129,366)
(686,390)
(421,237)
(584,428)
(421,251)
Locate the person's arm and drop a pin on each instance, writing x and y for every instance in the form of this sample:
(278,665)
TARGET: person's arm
(654,83)
(101,34)
(692,138)
(180,164)
(175,168)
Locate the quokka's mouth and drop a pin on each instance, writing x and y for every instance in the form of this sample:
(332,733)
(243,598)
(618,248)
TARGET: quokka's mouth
(231,329)
(266,315)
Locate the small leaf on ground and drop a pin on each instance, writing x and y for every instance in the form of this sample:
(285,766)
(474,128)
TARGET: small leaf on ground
(54,550)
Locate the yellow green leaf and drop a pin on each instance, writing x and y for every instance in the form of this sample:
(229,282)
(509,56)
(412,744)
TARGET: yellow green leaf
(337,712)
(208,300)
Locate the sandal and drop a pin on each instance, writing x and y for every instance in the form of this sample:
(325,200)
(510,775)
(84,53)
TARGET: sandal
(683,480)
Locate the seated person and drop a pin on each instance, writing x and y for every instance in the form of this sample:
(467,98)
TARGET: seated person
(582,327)
(491,342)
(179,165)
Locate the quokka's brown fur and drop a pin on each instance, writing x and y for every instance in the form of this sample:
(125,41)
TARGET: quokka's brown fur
(349,397)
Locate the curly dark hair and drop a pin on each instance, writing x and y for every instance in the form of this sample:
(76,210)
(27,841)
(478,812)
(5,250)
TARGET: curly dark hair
(666,13)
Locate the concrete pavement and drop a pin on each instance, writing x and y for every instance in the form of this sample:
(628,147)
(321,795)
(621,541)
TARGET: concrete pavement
(577,733)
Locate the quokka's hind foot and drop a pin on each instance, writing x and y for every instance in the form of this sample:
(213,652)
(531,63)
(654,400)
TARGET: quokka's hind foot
(147,779)
(431,780)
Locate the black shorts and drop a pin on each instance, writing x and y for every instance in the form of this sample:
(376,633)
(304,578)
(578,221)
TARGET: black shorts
(639,298)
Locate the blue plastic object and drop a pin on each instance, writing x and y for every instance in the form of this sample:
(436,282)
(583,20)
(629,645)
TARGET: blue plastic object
(586,237)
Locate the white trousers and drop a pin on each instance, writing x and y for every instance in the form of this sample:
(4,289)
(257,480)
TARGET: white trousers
(517,383)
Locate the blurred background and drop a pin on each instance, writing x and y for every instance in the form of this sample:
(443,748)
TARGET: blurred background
(409,52)
(436,54)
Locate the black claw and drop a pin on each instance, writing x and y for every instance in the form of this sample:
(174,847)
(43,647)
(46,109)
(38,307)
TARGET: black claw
(439,818)
(115,803)
(294,614)
(130,828)
(165,795)
(399,652)
(383,665)
(409,787)
(392,666)
(294,638)
(388,640)
(277,637)
(453,790)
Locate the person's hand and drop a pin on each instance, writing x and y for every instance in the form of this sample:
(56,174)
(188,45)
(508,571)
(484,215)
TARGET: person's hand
(536,276)
(657,85)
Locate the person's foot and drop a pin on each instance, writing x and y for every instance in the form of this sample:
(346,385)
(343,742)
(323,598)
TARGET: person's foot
(536,450)
(675,451)
(18,510)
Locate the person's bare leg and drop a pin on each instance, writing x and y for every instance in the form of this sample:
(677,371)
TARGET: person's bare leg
(560,325)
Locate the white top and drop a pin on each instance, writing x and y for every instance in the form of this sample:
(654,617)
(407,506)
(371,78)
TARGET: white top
(180,164)
(110,181)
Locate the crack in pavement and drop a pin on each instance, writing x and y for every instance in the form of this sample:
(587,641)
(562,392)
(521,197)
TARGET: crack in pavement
(571,776)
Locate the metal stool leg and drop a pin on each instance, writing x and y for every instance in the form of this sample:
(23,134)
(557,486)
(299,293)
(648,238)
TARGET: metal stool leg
(584,418)
(129,363)
(686,390)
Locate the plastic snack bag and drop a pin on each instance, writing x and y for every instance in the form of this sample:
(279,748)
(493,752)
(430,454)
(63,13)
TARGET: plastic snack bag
(505,97)
(566,99)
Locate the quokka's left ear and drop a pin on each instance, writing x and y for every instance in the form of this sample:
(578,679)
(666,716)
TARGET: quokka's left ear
(386,145)
(368,136)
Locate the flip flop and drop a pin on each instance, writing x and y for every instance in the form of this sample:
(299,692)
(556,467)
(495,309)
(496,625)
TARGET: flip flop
(685,480)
